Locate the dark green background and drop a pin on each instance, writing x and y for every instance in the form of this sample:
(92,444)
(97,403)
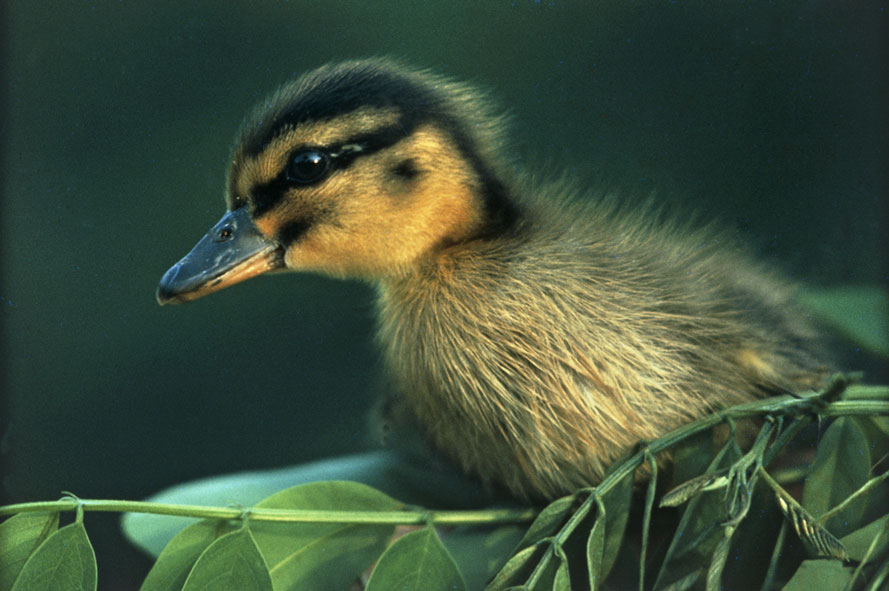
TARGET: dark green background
(119,115)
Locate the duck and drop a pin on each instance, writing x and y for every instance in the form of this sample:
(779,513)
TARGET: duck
(532,333)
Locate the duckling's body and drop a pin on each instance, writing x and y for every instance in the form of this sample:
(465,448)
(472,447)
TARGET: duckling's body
(586,332)
(533,339)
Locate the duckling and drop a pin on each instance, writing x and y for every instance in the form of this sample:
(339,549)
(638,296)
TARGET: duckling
(532,337)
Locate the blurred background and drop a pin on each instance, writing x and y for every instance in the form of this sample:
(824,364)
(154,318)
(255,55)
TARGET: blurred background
(771,117)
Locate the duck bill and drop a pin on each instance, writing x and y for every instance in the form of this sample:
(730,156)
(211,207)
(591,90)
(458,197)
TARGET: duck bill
(232,251)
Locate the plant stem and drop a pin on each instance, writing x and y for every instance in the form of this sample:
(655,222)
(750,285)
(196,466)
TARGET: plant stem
(281,515)
(822,519)
(768,582)
(646,517)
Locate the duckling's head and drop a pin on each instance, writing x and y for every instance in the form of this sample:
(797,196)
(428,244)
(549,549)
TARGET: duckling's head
(362,169)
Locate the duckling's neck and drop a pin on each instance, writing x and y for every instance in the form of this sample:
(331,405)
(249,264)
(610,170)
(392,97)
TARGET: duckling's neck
(442,328)
(500,217)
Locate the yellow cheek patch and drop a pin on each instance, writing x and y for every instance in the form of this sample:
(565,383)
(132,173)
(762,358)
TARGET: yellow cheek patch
(383,226)
(444,207)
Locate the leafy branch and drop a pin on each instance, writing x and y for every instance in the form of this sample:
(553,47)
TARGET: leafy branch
(324,535)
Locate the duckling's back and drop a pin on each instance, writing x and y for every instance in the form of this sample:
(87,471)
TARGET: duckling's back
(537,358)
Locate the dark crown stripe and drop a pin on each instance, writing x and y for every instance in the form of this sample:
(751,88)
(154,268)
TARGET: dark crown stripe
(312,100)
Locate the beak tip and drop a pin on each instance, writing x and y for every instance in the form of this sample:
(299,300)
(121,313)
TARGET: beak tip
(163,295)
(167,290)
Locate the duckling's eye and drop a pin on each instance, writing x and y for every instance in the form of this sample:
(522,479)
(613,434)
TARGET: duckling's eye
(307,166)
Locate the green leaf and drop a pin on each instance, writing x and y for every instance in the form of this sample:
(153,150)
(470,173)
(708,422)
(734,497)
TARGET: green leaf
(480,551)
(549,520)
(876,430)
(688,489)
(819,574)
(617,506)
(841,466)
(881,424)
(65,561)
(592,540)
(699,528)
(860,313)
(517,568)
(595,547)
(175,562)
(407,478)
(332,561)
(685,583)
(860,540)
(322,556)
(562,582)
(20,535)
(231,562)
(417,560)
(546,572)
(753,542)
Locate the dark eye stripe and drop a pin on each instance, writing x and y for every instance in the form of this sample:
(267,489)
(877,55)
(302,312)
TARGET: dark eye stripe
(380,139)
(293,231)
(264,197)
